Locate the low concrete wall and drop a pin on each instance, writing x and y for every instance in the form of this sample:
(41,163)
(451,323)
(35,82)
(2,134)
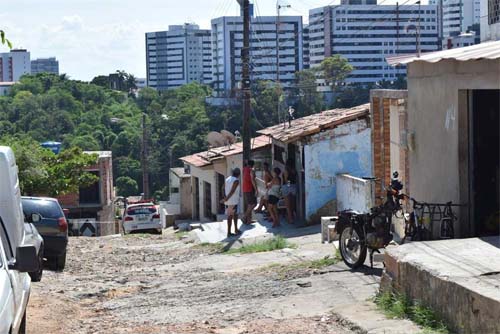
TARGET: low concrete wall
(354,193)
(458,279)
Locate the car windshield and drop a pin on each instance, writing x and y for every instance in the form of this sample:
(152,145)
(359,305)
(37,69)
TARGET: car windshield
(46,208)
(141,210)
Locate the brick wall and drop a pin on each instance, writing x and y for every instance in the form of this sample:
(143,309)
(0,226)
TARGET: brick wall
(381,102)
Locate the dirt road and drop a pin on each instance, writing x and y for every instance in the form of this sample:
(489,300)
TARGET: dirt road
(160,284)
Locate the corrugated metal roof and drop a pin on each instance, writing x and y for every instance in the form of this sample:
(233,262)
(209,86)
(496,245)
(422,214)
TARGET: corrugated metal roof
(206,158)
(309,125)
(486,50)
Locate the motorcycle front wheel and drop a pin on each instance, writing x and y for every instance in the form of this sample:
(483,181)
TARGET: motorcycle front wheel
(352,246)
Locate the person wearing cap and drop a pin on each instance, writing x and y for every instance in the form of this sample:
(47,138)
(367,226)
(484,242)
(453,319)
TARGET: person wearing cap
(231,200)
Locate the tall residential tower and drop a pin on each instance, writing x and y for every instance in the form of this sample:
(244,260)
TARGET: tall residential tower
(366,34)
(270,40)
(14,64)
(178,56)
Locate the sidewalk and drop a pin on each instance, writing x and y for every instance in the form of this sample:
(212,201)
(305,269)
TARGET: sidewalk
(215,232)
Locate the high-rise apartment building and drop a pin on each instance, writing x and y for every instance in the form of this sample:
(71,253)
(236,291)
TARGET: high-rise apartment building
(178,56)
(48,65)
(269,42)
(490,20)
(14,64)
(366,34)
(305,47)
(459,19)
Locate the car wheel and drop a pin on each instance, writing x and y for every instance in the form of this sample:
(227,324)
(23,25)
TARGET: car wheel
(37,275)
(60,262)
(22,327)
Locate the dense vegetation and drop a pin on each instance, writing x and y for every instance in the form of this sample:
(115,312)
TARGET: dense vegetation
(92,117)
(78,114)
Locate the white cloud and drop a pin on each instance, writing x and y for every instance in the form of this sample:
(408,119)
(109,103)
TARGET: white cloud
(73,22)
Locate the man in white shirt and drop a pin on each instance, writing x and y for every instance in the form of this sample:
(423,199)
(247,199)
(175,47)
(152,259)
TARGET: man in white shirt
(231,200)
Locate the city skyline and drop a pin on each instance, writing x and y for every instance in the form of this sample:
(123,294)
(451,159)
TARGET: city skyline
(88,41)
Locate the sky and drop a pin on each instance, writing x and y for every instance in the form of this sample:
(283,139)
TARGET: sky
(93,37)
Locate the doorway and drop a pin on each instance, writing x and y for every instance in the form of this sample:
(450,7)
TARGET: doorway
(220,192)
(484,148)
(196,209)
(207,205)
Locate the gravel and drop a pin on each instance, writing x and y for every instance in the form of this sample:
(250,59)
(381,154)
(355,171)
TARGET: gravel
(151,284)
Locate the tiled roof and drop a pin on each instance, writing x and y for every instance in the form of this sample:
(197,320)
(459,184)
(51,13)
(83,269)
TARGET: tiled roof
(313,124)
(206,158)
(486,50)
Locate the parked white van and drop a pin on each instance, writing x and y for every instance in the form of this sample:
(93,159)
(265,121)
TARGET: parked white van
(16,259)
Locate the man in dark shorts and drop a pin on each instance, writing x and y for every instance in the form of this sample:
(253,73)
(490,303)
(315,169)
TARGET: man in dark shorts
(249,191)
(231,200)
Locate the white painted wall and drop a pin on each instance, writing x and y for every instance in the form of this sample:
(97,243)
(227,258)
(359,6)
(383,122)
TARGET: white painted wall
(203,175)
(354,193)
(433,118)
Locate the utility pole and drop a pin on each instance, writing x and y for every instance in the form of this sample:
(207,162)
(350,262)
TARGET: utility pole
(418,30)
(397,28)
(144,158)
(441,27)
(278,83)
(245,83)
(397,36)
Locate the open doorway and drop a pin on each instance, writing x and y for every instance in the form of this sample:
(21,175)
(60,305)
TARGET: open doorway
(220,193)
(207,205)
(484,159)
(196,209)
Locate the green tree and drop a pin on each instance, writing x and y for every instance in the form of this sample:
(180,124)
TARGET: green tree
(42,172)
(335,69)
(308,99)
(101,80)
(126,186)
(265,97)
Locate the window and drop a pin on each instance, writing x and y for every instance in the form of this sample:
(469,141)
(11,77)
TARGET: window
(493,11)
(5,241)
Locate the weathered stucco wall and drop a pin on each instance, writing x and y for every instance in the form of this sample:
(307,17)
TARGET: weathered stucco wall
(203,175)
(345,149)
(354,193)
(434,111)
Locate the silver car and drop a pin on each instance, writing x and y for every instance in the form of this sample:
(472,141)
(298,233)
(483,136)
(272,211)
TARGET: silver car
(32,237)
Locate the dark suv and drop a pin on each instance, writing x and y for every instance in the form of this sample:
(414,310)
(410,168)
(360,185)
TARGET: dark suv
(52,226)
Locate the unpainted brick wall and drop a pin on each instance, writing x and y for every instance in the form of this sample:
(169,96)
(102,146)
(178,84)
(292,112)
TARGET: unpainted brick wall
(381,146)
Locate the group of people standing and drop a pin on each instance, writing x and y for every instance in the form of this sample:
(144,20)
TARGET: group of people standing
(278,185)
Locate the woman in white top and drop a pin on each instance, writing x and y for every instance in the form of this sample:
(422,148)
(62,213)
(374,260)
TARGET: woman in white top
(274,196)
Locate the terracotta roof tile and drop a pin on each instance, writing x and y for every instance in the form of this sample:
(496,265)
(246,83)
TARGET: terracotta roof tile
(313,124)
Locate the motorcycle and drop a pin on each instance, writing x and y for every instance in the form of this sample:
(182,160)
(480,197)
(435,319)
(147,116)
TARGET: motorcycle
(360,232)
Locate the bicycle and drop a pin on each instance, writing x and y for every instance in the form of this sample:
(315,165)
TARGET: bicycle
(415,227)
(446,230)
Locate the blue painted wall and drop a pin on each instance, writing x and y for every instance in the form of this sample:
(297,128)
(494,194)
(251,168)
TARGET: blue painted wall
(345,149)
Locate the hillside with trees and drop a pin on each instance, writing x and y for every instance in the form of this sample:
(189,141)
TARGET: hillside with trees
(92,117)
